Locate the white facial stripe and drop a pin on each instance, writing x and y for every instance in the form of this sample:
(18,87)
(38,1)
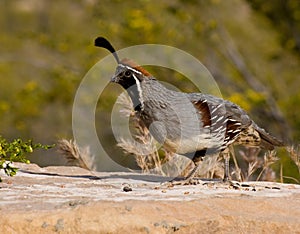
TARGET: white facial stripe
(139,88)
(130,68)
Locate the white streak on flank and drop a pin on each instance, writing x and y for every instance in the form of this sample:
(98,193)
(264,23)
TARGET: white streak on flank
(219,128)
(213,110)
(236,122)
(139,88)
(220,118)
(214,117)
(237,130)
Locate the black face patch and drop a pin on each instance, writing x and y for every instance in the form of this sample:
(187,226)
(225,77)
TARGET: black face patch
(126,76)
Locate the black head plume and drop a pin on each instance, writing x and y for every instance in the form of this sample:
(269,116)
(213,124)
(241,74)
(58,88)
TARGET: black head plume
(104,43)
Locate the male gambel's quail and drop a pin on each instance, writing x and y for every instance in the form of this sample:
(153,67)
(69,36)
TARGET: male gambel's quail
(187,123)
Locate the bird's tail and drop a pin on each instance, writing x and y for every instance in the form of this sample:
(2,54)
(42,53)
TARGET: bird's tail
(268,141)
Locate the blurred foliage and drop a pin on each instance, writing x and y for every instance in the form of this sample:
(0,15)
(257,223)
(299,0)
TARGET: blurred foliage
(16,151)
(285,16)
(47,48)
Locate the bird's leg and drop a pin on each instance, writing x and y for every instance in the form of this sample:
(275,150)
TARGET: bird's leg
(226,156)
(189,178)
(197,159)
(193,171)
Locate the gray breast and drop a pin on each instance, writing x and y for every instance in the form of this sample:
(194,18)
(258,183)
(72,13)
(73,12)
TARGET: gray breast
(173,120)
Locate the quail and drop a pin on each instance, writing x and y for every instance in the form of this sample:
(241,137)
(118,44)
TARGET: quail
(196,125)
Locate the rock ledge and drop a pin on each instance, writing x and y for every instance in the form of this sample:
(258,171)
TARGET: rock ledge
(73,200)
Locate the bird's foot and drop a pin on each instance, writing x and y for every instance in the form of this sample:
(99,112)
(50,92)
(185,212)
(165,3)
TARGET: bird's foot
(183,181)
(229,184)
(234,184)
(210,183)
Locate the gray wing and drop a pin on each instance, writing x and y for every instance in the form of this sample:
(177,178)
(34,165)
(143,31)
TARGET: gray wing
(238,127)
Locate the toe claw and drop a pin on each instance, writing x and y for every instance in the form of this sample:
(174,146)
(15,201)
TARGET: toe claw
(185,181)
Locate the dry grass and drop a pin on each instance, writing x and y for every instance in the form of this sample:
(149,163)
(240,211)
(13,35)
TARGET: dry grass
(143,145)
(76,156)
(252,165)
(249,164)
(160,161)
(256,167)
(295,155)
(294,152)
(167,163)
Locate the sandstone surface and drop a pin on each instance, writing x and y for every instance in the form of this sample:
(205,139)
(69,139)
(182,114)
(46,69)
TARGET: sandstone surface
(73,200)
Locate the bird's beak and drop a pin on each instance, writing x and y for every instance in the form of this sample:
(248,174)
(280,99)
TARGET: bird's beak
(114,79)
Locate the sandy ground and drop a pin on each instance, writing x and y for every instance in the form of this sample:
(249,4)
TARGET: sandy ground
(73,200)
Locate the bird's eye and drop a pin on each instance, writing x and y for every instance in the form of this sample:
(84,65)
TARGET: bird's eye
(127,73)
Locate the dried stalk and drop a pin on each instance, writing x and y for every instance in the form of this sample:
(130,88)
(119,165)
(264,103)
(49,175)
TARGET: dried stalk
(295,155)
(238,171)
(76,156)
(269,159)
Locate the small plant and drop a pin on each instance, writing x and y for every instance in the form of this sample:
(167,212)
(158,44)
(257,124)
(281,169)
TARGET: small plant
(16,151)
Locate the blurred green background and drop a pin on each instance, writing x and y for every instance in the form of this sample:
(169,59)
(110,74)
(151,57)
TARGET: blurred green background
(252,48)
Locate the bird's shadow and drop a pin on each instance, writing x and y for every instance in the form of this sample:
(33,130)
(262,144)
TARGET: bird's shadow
(141,177)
